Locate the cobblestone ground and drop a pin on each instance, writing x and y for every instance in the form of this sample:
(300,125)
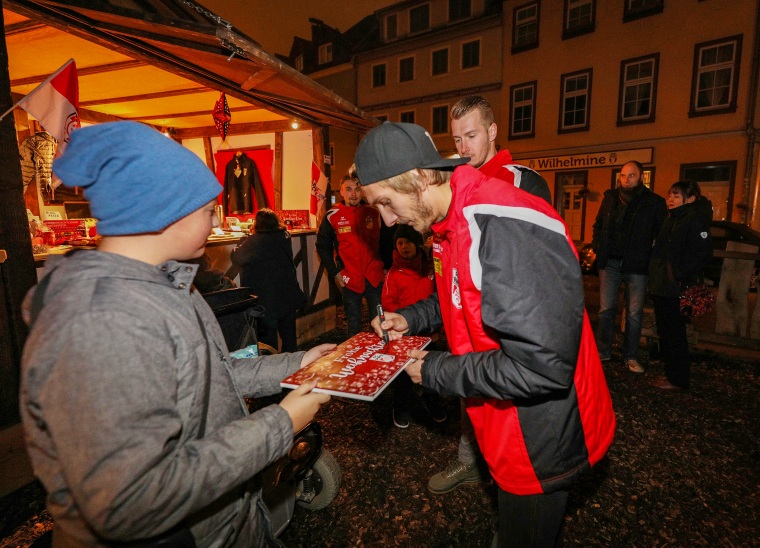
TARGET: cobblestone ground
(682,471)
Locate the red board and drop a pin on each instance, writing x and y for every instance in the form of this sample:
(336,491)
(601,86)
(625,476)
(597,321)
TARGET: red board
(359,368)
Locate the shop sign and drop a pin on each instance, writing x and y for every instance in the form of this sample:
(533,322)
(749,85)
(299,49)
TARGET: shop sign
(591,160)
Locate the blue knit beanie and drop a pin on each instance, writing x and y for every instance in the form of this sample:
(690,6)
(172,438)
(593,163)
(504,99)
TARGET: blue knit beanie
(136,179)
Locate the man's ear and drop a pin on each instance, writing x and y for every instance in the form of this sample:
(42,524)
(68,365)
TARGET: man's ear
(492,132)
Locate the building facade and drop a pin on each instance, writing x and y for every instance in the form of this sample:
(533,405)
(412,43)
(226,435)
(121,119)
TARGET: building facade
(432,53)
(591,84)
(579,87)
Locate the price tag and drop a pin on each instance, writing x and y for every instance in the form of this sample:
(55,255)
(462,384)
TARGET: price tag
(235,228)
(52,215)
(218,231)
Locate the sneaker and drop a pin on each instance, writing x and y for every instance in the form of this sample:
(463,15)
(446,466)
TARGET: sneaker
(401,418)
(634,366)
(455,474)
(434,407)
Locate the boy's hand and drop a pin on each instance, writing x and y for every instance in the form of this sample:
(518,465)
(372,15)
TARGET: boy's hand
(302,404)
(316,352)
(394,324)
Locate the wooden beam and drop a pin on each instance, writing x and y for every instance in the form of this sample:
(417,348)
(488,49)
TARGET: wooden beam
(186,114)
(144,96)
(22,27)
(96,69)
(240,129)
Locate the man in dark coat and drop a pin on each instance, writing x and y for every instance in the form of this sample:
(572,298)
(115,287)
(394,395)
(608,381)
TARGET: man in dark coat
(625,228)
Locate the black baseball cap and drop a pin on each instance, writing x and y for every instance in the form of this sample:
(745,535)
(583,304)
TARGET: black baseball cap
(393,148)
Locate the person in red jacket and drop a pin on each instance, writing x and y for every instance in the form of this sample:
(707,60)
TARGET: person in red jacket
(410,279)
(474,131)
(510,297)
(348,244)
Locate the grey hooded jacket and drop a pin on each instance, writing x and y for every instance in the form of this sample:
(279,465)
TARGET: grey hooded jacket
(112,391)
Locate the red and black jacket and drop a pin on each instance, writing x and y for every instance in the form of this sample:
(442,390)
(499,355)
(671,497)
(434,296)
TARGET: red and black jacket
(510,296)
(348,242)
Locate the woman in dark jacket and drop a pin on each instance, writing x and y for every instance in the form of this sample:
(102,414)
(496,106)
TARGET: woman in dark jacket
(682,248)
(266,262)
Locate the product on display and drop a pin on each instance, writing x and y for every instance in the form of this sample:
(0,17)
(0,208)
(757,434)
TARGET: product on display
(359,368)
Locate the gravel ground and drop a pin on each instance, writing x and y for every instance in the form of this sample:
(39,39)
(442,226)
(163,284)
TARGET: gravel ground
(683,471)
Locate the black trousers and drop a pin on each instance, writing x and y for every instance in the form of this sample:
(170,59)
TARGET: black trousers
(531,520)
(674,346)
(268,328)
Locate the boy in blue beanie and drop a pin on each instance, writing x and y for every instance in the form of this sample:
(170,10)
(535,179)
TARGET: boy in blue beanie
(132,407)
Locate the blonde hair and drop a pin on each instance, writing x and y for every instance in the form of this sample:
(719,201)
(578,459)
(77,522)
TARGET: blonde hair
(409,181)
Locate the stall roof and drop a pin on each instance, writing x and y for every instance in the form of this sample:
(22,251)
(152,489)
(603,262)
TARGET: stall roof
(164,62)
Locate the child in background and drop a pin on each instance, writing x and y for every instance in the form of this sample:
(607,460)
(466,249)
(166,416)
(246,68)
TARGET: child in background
(132,407)
(409,280)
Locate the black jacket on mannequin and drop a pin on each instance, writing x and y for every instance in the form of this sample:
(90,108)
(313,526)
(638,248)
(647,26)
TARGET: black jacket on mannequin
(241,183)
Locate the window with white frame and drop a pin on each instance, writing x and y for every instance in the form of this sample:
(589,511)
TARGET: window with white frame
(636,9)
(638,89)
(525,27)
(391,27)
(325,53)
(471,54)
(378,75)
(299,63)
(459,9)
(575,103)
(419,18)
(440,120)
(407,117)
(439,61)
(522,109)
(716,76)
(579,17)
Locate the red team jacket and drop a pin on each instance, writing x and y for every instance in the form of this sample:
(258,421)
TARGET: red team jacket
(348,242)
(407,282)
(510,296)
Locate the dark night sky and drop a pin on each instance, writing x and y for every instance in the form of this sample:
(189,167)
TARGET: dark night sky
(274,23)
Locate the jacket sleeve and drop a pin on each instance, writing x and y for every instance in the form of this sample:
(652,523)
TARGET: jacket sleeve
(596,238)
(533,303)
(423,317)
(261,376)
(327,243)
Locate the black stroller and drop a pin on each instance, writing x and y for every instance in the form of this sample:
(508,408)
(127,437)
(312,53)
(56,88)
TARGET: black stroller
(308,475)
